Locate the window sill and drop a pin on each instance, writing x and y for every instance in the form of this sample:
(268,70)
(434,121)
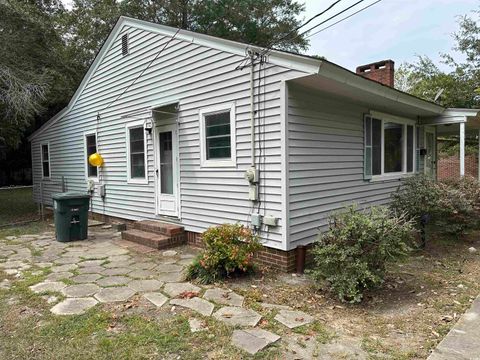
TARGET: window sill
(137,181)
(218,164)
(390,177)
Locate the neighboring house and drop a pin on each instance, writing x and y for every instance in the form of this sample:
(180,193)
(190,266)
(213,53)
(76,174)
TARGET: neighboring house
(171,113)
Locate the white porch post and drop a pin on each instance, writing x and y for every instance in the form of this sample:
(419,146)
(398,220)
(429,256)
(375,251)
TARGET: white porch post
(462,149)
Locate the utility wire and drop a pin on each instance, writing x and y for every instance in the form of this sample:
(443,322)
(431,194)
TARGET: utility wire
(331,17)
(274,42)
(343,19)
(143,71)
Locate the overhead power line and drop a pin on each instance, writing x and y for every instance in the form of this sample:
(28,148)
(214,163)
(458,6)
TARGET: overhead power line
(331,17)
(294,31)
(343,19)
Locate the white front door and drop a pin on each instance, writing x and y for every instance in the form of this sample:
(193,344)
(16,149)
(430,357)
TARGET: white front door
(166,170)
(430,158)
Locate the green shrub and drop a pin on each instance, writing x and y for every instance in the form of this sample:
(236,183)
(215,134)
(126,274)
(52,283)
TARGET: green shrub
(417,196)
(469,187)
(228,249)
(450,205)
(352,255)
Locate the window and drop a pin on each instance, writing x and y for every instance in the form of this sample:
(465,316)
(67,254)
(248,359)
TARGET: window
(45,160)
(91,148)
(125,44)
(136,153)
(217,131)
(389,146)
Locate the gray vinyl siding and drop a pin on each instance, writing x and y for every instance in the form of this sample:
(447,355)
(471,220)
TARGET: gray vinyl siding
(196,76)
(325,166)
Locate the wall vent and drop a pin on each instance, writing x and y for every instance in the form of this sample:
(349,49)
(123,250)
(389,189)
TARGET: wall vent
(125,44)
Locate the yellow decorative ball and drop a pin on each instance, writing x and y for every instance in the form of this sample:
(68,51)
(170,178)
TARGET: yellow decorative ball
(95,160)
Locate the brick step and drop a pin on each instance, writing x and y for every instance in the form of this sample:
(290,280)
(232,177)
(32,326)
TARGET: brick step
(149,239)
(159,227)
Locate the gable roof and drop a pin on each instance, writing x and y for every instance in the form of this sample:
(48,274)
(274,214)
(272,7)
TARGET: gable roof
(290,60)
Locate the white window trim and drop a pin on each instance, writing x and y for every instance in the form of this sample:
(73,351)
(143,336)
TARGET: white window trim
(85,134)
(49,160)
(404,122)
(232,162)
(136,124)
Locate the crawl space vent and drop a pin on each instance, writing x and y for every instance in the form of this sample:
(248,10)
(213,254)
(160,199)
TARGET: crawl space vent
(125,44)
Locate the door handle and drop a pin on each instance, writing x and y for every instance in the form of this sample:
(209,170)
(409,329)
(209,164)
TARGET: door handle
(156,172)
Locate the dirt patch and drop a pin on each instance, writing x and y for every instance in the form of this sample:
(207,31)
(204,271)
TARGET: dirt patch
(420,301)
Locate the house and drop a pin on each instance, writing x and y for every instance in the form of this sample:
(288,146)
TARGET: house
(193,134)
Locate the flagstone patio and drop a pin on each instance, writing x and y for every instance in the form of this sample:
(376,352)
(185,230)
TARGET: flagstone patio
(108,270)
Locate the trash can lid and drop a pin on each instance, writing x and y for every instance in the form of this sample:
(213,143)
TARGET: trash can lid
(70,195)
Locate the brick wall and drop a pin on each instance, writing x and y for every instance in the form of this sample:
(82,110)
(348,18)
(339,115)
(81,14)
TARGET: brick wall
(449,167)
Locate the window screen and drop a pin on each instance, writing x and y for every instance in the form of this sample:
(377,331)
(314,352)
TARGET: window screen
(91,148)
(137,153)
(45,161)
(217,141)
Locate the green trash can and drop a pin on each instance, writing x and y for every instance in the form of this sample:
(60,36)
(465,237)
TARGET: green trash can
(71,216)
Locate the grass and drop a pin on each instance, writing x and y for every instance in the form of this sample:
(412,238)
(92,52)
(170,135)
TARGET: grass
(17,205)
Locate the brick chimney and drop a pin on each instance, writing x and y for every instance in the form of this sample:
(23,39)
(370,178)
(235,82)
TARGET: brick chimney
(381,71)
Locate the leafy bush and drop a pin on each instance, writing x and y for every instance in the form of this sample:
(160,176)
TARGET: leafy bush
(469,187)
(229,249)
(417,196)
(353,254)
(450,205)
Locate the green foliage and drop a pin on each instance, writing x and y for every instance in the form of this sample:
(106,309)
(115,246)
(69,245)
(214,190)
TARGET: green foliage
(460,83)
(352,255)
(450,205)
(229,249)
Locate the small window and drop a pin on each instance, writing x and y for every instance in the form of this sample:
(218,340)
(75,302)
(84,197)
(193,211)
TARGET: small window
(217,137)
(125,44)
(136,161)
(45,161)
(390,148)
(91,148)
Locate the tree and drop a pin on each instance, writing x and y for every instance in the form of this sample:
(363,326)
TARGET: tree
(257,22)
(460,83)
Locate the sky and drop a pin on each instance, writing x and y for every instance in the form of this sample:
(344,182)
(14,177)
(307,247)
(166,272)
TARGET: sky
(392,29)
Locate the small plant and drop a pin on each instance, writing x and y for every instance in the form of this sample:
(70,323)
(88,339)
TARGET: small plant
(352,255)
(229,249)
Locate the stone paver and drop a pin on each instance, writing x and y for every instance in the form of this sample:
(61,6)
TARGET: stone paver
(113,280)
(90,270)
(86,278)
(169,268)
(116,271)
(461,343)
(73,306)
(169,253)
(224,297)
(56,276)
(170,277)
(175,289)
(156,298)
(236,316)
(47,286)
(141,274)
(293,318)
(114,294)
(145,285)
(196,304)
(80,290)
(63,268)
(253,340)
(197,325)
(88,263)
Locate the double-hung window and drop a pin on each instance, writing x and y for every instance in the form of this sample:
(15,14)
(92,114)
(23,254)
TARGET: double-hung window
(389,146)
(45,153)
(217,136)
(136,153)
(90,148)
